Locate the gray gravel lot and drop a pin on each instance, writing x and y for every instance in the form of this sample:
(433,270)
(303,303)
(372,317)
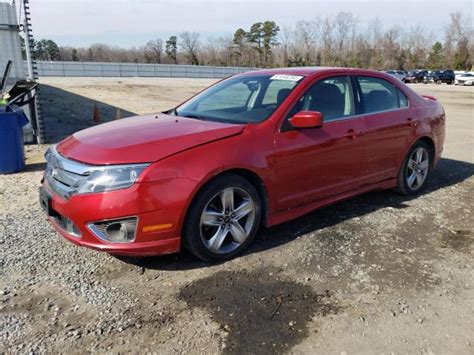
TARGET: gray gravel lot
(377,274)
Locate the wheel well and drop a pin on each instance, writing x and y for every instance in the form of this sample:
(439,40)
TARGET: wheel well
(256,181)
(431,144)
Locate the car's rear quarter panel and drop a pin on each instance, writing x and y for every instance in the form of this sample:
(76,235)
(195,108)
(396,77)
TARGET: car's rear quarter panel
(432,124)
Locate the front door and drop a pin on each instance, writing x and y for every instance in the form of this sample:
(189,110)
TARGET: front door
(315,163)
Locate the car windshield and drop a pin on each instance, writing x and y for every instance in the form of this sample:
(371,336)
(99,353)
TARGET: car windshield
(240,99)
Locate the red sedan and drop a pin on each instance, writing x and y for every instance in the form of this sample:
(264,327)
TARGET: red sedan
(259,148)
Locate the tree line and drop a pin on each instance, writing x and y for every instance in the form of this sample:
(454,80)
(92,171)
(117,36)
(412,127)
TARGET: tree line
(340,40)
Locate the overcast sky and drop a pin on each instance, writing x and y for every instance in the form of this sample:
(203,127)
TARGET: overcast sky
(134,22)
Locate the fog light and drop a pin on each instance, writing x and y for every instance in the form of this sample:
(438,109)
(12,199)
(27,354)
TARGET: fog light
(116,231)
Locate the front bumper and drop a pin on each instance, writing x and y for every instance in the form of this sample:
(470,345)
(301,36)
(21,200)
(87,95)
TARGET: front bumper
(154,203)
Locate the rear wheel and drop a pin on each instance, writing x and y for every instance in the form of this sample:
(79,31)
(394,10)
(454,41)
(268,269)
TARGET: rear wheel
(223,219)
(415,169)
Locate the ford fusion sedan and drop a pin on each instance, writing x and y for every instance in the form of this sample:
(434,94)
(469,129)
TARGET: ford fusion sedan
(253,150)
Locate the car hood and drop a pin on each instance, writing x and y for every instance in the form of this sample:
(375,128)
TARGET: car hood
(142,139)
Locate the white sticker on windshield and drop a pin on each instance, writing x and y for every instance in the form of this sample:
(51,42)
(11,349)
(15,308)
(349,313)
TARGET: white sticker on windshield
(286,77)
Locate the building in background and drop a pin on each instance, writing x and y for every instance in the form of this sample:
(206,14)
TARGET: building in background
(10,43)
(15,25)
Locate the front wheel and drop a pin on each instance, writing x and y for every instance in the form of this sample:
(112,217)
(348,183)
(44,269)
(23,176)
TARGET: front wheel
(415,169)
(223,219)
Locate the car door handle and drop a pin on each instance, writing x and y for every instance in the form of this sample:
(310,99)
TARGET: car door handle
(351,134)
(411,122)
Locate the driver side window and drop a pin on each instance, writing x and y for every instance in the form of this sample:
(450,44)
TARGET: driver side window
(331,96)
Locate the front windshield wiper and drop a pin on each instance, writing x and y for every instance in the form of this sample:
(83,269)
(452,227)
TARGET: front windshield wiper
(206,118)
(195,116)
(170,112)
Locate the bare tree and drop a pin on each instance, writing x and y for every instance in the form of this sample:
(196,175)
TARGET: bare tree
(224,48)
(345,32)
(286,38)
(327,38)
(307,34)
(417,46)
(210,52)
(154,51)
(458,34)
(190,45)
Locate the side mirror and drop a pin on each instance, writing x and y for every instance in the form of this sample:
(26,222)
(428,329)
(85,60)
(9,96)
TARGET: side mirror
(307,119)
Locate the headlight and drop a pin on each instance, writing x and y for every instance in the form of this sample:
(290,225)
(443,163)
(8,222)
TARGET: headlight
(109,178)
(69,177)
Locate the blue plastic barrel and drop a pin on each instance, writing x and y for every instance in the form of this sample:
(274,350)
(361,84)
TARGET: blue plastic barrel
(12,151)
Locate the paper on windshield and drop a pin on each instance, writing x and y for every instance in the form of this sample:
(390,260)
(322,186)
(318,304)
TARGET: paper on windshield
(286,77)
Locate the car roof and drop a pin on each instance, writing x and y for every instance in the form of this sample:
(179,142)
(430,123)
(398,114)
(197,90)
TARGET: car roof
(309,71)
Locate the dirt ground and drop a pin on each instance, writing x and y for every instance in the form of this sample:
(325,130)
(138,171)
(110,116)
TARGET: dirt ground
(377,274)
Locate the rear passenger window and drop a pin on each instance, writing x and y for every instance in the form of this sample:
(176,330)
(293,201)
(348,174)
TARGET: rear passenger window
(402,99)
(377,94)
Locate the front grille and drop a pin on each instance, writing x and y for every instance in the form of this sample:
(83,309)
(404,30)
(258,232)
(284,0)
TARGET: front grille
(64,175)
(67,178)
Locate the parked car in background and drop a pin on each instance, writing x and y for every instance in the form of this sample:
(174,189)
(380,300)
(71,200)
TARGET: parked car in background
(439,77)
(403,74)
(415,76)
(258,148)
(399,74)
(464,79)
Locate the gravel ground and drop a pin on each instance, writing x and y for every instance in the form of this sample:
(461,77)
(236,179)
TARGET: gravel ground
(376,274)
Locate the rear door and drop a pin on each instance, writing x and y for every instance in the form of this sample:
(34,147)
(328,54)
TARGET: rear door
(315,163)
(388,123)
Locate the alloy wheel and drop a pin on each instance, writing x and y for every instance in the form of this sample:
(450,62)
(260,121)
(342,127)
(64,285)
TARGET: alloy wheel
(417,168)
(227,220)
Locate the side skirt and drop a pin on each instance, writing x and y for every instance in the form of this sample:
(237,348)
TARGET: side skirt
(293,213)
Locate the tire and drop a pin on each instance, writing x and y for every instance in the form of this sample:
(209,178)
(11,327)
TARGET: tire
(415,169)
(213,230)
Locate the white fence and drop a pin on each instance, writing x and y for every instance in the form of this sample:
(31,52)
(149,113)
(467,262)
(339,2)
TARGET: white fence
(92,69)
